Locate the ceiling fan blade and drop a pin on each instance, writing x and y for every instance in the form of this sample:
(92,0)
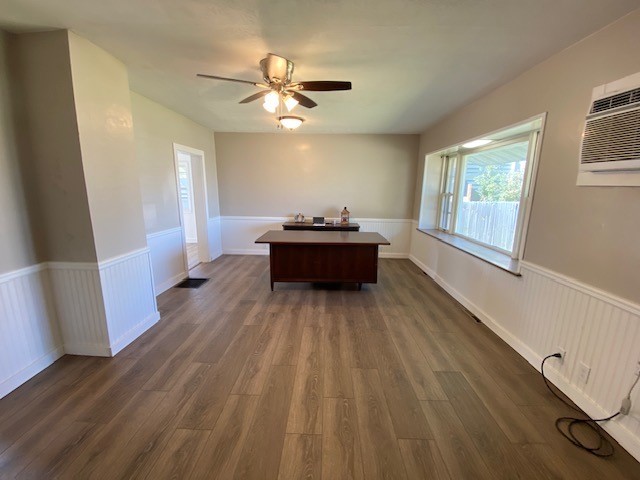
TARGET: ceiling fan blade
(230,79)
(255,96)
(303,100)
(324,86)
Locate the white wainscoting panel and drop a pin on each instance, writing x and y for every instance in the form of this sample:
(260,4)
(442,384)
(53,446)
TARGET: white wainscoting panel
(167,258)
(129,297)
(80,308)
(101,308)
(541,311)
(215,237)
(239,234)
(30,339)
(397,231)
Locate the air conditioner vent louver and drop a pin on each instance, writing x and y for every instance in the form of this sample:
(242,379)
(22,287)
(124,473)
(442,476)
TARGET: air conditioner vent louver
(612,138)
(610,150)
(614,101)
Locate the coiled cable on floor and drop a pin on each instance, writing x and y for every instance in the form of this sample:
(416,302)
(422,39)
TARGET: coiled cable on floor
(566,425)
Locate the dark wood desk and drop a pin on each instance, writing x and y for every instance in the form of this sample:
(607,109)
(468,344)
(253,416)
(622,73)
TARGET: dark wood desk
(311,256)
(328,227)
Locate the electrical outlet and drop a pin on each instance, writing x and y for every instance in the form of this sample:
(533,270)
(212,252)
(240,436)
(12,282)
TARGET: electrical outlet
(562,352)
(583,373)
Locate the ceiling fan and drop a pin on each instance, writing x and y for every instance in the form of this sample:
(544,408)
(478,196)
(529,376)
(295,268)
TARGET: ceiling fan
(276,73)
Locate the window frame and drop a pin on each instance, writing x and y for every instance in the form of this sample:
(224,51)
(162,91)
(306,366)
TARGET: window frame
(534,138)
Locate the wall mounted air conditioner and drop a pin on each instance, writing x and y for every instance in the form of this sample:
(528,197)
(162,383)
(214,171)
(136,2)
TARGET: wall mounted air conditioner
(611,138)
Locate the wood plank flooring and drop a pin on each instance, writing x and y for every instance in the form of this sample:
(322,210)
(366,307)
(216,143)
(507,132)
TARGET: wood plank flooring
(236,381)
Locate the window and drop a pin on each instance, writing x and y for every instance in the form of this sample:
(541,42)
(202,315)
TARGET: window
(485,185)
(184,177)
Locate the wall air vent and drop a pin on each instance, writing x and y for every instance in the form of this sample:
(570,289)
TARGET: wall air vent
(614,101)
(611,139)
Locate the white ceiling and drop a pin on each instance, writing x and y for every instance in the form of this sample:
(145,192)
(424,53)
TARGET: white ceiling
(411,61)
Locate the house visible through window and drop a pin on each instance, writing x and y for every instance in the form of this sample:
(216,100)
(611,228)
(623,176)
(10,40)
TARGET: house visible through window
(484,188)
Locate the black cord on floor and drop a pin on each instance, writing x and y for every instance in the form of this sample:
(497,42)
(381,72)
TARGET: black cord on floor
(566,425)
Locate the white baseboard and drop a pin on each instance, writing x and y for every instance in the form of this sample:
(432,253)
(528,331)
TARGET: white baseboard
(422,266)
(167,284)
(87,349)
(31,370)
(134,333)
(245,251)
(167,258)
(393,255)
(549,310)
(627,439)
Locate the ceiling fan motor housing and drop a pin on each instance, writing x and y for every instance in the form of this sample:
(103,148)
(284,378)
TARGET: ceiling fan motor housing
(276,69)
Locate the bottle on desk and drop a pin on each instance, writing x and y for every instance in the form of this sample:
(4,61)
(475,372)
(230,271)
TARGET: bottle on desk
(344,217)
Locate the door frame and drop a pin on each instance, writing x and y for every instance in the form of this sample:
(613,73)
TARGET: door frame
(201,214)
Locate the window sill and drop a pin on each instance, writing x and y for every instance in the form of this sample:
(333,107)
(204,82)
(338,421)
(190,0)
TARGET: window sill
(488,255)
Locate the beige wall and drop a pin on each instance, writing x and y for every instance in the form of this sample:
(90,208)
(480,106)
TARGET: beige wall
(50,149)
(103,107)
(589,233)
(156,129)
(16,247)
(284,173)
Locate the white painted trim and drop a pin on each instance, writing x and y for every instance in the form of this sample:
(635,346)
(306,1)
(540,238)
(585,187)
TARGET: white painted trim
(187,149)
(238,234)
(202,217)
(570,282)
(384,220)
(72,265)
(162,233)
(135,332)
(214,224)
(422,266)
(167,284)
(87,349)
(626,438)
(12,275)
(290,219)
(393,255)
(254,219)
(242,251)
(122,258)
(623,436)
(30,370)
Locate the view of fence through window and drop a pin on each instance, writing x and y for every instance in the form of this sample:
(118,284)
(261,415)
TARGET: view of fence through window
(490,194)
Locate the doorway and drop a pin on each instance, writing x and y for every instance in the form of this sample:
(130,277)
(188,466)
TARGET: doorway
(192,204)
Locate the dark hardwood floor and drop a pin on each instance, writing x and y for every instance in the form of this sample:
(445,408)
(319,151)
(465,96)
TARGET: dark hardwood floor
(235,381)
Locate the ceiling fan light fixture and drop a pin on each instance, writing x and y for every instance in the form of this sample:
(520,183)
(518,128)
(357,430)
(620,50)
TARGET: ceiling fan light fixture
(290,122)
(272,98)
(269,107)
(290,102)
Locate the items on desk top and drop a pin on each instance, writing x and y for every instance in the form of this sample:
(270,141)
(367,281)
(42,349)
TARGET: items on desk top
(344,216)
(299,218)
(318,221)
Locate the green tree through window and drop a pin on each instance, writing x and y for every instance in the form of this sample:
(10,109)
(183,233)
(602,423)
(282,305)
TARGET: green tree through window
(493,185)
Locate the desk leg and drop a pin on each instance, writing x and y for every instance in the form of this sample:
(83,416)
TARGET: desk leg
(271,265)
(359,285)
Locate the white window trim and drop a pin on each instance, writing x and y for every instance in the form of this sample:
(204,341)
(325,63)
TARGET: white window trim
(526,198)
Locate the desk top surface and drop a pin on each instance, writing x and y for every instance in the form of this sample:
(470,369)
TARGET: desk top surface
(326,224)
(322,238)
